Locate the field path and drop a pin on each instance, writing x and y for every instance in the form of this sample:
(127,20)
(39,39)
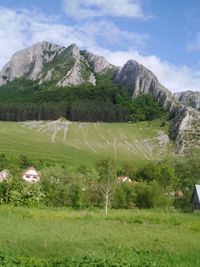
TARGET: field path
(84,128)
(51,128)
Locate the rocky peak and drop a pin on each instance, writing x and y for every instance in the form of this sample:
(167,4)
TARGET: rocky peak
(74,50)
(186,122)
(29,62)
(189,98)
(140,80)
(49,62)
(97,63)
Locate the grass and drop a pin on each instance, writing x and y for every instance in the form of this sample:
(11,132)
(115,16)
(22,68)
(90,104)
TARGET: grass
(166,237)
(85,143)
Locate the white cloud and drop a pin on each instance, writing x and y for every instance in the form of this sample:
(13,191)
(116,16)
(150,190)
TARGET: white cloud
(195,44)
(110,34)
(98,8)
(23,28)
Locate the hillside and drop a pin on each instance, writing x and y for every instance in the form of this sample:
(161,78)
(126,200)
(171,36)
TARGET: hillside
(75,143)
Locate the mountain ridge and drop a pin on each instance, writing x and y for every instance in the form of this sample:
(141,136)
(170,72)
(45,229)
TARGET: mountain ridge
(70,66)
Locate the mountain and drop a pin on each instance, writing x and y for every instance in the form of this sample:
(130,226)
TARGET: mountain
(185,127)
(48,62)
(70,66)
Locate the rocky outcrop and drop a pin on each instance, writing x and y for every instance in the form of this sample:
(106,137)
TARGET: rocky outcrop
(189,98)
(186,123)
(79,72)
(48,62)
(98,64)
(29,62)
(186,129)
(142,81)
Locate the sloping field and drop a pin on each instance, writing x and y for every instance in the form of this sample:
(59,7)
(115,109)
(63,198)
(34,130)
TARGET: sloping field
(84,143)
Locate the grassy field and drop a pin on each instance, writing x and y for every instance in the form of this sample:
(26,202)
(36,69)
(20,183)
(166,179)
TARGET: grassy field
(136,237)
(84,143)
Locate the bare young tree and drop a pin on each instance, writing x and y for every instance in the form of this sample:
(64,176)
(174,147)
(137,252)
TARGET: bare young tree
(107,178)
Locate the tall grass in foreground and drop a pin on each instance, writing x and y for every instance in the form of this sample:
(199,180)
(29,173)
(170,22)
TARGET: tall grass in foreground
(65,237)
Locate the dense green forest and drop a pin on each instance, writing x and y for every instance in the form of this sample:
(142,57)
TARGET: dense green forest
(23,99)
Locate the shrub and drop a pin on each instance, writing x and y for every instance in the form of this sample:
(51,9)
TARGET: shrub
(151,196)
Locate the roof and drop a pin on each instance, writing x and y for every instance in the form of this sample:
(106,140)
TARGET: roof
(31,169)
(123,179)
(196,195)
(197,187)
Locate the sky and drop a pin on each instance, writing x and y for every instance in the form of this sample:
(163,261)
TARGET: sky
(163,35)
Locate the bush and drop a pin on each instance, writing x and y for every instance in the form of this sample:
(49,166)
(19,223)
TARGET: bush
(151,196)
(124,196)
(26,194)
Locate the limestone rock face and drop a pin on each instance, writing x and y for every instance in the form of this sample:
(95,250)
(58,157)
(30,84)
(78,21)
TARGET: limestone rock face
(80,71)
(48,62)
(189,98)
(29,62)
(186,126)
(142,81)
(186,122)
(98,64)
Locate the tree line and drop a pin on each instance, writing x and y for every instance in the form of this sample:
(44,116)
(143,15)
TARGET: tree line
(153,185)
(22,100)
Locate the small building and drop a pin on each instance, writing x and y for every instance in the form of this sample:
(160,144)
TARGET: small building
(123,179)
(31,175)
(196,197)
(4,175)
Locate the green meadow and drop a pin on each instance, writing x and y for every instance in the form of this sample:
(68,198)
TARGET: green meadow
(85,143)
(52,237)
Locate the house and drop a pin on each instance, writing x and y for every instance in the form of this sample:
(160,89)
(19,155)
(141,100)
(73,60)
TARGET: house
(4,175)
(31,175)
(196,197)
(123,179)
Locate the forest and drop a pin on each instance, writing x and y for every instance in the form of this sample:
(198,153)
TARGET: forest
(22,100)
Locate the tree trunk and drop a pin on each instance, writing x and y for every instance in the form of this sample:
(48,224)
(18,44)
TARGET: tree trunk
(106,201)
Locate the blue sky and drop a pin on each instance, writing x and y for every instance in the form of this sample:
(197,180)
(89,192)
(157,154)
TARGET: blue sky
(163,35)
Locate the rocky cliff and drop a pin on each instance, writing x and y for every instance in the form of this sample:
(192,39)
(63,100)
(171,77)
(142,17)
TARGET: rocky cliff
(186,121)
(48,62)
(70,66)
(189,98)
(142,81)
(29,62)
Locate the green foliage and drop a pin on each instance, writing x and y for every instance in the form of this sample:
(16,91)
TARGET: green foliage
(65,237)
(107,171)
(22,99)
(161,172)
(60,65)
(145,108)
(26,194)
(124,196)
(127,257)
(16,192)
(151,196)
